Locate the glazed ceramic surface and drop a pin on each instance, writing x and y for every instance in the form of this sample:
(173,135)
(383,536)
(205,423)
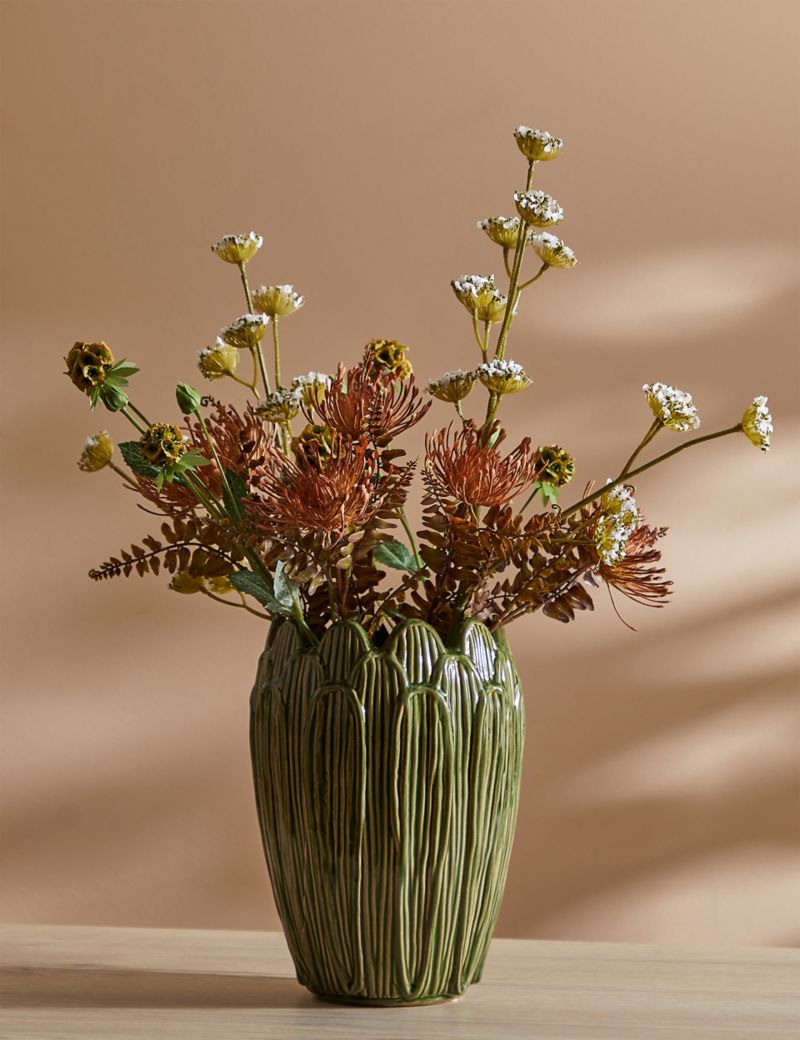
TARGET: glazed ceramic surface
(387,782)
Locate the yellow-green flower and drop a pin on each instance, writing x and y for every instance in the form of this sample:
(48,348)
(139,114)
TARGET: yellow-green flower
(502,230)
(537,145)
(97,452)
(162,444)
(312,386)
(187,583)
(218,361)
(277,300)
(673,407)
(87,364)
(246,332)
(552,251)
(757,424)
(238,249)
(502,376)
(554,465)
(315,442)
(280,406)
(220,585)
(389,355)
(538,208)
(452,386)
(481,297)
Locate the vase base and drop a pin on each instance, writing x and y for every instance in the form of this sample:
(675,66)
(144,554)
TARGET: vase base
(329,998)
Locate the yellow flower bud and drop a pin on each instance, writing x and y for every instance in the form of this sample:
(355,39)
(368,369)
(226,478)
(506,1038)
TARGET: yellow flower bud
(537,145)
(481,297)
(552,251)
(538,208)
(554,465)
(162,444)
(503,376)
(246,332)
(390,355)
(187,583)
(238,249)
(96,452)
(313,386)
(280,406)
(502,230)
(218,361)
(757,423)
(452,386)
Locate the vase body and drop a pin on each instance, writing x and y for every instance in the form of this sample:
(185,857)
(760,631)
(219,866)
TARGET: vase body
(387,783)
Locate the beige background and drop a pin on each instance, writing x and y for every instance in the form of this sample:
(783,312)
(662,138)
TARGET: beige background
(363,140)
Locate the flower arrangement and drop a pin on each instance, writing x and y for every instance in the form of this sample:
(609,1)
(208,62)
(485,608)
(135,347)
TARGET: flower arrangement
(293,505)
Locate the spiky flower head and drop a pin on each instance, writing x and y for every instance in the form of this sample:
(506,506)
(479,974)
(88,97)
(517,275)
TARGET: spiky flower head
(97,452)
(537,145)
(618,520)
(503,376)
(452,386)
(280,406)
(87,365)
(538,208)
(673,407)
(552,251)
(162,444)
(467,467)
(757,423)
(481,297)
(312,386)
(218,361)
(238,249)
(554,465)
(501,230)
(246,332)
(314,442)
(389,355)
(277,300)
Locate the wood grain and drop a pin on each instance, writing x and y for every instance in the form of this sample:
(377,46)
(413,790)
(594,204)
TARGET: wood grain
(126,983)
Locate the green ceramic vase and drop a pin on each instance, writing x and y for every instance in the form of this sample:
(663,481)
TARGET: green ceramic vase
(387,783)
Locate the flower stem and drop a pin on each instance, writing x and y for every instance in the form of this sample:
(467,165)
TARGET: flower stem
(229,495)
(519,251)
(481,343)
(141,415)
(121,472)
(277,353)
(256,351)
(530,281)
(657,425)
(131,420)
(407,527)
(239,606)
(648,465)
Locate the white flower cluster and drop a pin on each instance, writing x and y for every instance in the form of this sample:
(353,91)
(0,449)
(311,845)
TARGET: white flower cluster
(618,522)
(551,250)
(502,230)
(219,360)
(246,331)
(538,208)
(481,297)
(277,300)
(452,386)
(537,145)
(502,376)
(280,405)
(312,387)
(757,423)
(673,407)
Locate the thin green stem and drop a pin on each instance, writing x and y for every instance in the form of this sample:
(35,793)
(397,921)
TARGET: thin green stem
(649,465)
(246,287)
(652,431)
(229,495)
(522,236)
(243,382)
(256,351)
(506,263)
(141,415)
(131,420)
(530,281)
(121,473)
(238,606)
(481,343)
(407,528)
(529,499)
(460,411)
(277,353)
(203,496)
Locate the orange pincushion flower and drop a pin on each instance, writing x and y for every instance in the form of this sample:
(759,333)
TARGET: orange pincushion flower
(372,402)
(330,495)
(464,467)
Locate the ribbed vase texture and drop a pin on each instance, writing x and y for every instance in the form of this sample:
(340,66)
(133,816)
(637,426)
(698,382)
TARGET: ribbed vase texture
(387,782)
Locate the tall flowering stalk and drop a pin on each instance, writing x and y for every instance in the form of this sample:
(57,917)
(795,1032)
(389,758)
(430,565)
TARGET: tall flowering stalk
(294,504)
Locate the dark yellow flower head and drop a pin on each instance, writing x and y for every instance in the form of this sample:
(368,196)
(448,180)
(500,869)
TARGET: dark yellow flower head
(87,364)
(162,444)
(389,355)
(315,442)
(554,465)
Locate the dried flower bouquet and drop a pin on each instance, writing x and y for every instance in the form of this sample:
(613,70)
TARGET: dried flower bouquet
(293,505)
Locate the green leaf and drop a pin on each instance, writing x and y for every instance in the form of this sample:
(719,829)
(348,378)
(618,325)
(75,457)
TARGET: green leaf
(112,397)
(190,460)
(161,476)
(238,493)
(119,373)
(549,492)
(132,454)
(188,398)
(395,554)
(286,591)
(252,584)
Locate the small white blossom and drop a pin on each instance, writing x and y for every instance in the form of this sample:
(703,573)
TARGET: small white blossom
(619,520)
(218,361)
(452,386)
(246,331)
(502,230)
(552,251)
(538,208)
(481,297)
(537,145)
(502,376)
(280,405)
(757,424)
(673,407)
(312,387)
(238,249)
(277,300)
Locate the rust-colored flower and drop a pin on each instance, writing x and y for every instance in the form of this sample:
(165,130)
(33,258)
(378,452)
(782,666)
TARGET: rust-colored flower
(635,574)
(312,494)
(371,402)
(464,467)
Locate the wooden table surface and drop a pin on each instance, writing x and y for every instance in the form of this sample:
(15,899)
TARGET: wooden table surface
(118,983)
